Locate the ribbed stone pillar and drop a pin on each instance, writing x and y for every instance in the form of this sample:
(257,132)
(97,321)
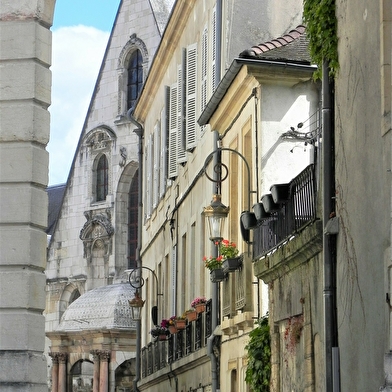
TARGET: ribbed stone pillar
(96,371)
(55,371)
(62,386)
(25,82)
(104,371)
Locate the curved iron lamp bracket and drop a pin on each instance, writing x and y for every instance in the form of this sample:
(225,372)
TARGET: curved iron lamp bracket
(137,281)
(220,168)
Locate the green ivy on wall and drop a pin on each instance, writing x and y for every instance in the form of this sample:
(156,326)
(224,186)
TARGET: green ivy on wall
(321,29)
(258,372)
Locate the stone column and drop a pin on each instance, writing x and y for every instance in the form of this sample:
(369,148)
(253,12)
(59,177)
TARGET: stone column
(96,371)
(104,357)
(62,385)
(25,83)
(55,371)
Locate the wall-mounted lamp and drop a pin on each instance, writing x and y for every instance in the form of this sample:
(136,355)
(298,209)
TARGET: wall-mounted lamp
(136,304)
(216,213)
(137,282)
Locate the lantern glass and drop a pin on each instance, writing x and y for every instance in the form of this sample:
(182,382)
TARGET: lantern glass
(136,313)
(216,213)
(136,304)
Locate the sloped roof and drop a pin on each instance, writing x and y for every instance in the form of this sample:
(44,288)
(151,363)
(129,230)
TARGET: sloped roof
(161,9)
(104,308)
(55,198)
(291,47)
(289,51)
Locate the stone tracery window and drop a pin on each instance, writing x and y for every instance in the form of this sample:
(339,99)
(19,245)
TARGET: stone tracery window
(132,69)
(135,77)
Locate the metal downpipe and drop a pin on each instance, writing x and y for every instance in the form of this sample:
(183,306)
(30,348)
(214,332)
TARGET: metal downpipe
(215,377)
(329,243)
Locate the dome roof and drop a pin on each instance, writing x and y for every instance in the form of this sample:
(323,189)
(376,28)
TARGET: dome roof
(105,307)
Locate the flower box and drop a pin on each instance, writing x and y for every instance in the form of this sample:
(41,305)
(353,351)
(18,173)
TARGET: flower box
(200,308)
(280,192)
(198,300)
(248,220)
(191,315)
(231,265)
(172,329)
(269,204)
(217,275)
(180,323)
(162,337)
(260,212)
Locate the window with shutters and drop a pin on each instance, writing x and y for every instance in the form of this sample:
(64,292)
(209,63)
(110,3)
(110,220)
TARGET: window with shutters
(149,164)
(214,81)
(157,148)
(164,147)
(173,132)
(204,72)
(190,93)
(181,152)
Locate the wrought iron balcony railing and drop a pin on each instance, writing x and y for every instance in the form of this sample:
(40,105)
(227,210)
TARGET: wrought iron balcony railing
(293,214)
(158,354)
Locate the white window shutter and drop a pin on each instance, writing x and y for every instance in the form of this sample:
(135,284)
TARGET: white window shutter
(204,72)
(213,52)
(163,154)
(157,148)
(173,131)
(191,86)
(148,177)
(181,152)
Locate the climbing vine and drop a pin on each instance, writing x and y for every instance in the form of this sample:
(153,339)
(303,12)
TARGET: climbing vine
(258,372)
(321,28)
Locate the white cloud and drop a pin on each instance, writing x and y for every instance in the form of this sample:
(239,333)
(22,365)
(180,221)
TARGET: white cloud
(77,56)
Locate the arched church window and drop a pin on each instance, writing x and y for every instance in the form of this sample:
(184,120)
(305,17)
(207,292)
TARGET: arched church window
(102,178)
(135,77)
(132,221)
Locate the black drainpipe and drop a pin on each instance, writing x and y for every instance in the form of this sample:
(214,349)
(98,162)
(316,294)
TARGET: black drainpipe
(332,377)
(215,294)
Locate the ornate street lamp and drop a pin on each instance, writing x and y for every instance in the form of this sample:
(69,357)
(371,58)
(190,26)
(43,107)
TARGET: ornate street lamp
(136,280)
(216,213)
(136,304)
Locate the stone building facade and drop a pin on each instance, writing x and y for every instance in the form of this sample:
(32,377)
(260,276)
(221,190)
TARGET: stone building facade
(25,81)
(362,153)
(93,241)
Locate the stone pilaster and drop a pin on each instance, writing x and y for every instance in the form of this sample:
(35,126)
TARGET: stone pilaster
(55,371)
(62,386)
(25,82)
(104,357)
(95,354)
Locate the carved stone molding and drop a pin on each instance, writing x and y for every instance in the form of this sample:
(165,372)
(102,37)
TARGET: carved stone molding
(99,139)
(55,357)
(97,233)
(62,357)
(104,355)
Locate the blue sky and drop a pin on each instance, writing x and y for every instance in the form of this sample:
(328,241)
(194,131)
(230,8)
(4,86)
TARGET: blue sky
(81,31)
(96,13)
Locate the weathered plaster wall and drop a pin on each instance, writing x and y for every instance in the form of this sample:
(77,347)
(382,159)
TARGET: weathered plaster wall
(25,83)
